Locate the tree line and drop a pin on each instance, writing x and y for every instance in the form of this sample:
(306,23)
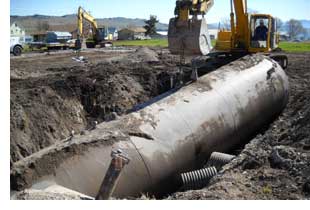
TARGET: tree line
(295,28)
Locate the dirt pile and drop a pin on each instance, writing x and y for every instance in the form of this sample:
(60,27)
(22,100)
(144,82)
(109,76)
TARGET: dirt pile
(276,164)
(144,54)
(47,108)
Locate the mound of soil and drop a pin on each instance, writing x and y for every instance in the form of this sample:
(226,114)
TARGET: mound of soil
(144,54)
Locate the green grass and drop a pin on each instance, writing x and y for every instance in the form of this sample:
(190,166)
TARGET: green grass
(26,48)
(295,46)
(146,43)
(286,46)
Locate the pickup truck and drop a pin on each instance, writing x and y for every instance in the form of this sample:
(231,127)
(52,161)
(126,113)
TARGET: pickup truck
(15,46)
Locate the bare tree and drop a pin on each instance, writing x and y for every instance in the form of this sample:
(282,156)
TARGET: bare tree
(294,28)
(279,23)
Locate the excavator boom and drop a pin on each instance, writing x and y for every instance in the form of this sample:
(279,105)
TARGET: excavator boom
(241,28)
(83,15)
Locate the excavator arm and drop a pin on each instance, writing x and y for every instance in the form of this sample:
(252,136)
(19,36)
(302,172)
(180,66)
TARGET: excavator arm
(83,15)
(185,8)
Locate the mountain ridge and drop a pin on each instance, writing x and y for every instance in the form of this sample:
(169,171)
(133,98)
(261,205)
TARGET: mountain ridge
(31,22)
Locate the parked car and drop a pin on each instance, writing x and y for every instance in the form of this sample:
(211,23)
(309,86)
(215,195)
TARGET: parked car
(15,46)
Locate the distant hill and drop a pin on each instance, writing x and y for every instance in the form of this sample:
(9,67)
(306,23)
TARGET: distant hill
(68,22)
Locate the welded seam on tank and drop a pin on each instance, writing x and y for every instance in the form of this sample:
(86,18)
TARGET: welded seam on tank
(147,169)
(187,124)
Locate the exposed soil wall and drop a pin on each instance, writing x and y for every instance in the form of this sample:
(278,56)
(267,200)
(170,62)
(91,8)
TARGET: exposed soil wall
(47,108)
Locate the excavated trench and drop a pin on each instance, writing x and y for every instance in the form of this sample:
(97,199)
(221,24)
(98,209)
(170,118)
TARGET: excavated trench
(49,104)
(103,93)
(46,109)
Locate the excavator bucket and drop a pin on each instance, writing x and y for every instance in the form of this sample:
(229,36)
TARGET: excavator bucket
(189,37)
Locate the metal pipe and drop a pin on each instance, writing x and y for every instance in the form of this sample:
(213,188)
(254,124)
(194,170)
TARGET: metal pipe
(172,134)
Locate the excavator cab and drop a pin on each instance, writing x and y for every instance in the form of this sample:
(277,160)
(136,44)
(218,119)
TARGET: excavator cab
(188,31)
(96,37)
(101,34)
(263,34)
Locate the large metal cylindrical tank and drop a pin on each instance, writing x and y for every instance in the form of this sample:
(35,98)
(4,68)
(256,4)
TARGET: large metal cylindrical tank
(175,132)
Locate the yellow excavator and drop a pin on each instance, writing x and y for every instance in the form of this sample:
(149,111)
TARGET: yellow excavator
(255,33)
(99,37)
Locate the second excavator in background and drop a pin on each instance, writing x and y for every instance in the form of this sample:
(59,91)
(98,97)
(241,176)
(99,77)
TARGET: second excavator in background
(99,37)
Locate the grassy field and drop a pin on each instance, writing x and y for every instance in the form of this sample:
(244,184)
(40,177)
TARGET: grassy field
(286,46)
(295,46)
(147,43)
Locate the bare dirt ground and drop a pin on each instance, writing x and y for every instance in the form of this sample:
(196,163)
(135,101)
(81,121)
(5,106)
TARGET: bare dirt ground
(52,95)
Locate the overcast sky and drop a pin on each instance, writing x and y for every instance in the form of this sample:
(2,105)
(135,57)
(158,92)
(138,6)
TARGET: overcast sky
(164,9)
